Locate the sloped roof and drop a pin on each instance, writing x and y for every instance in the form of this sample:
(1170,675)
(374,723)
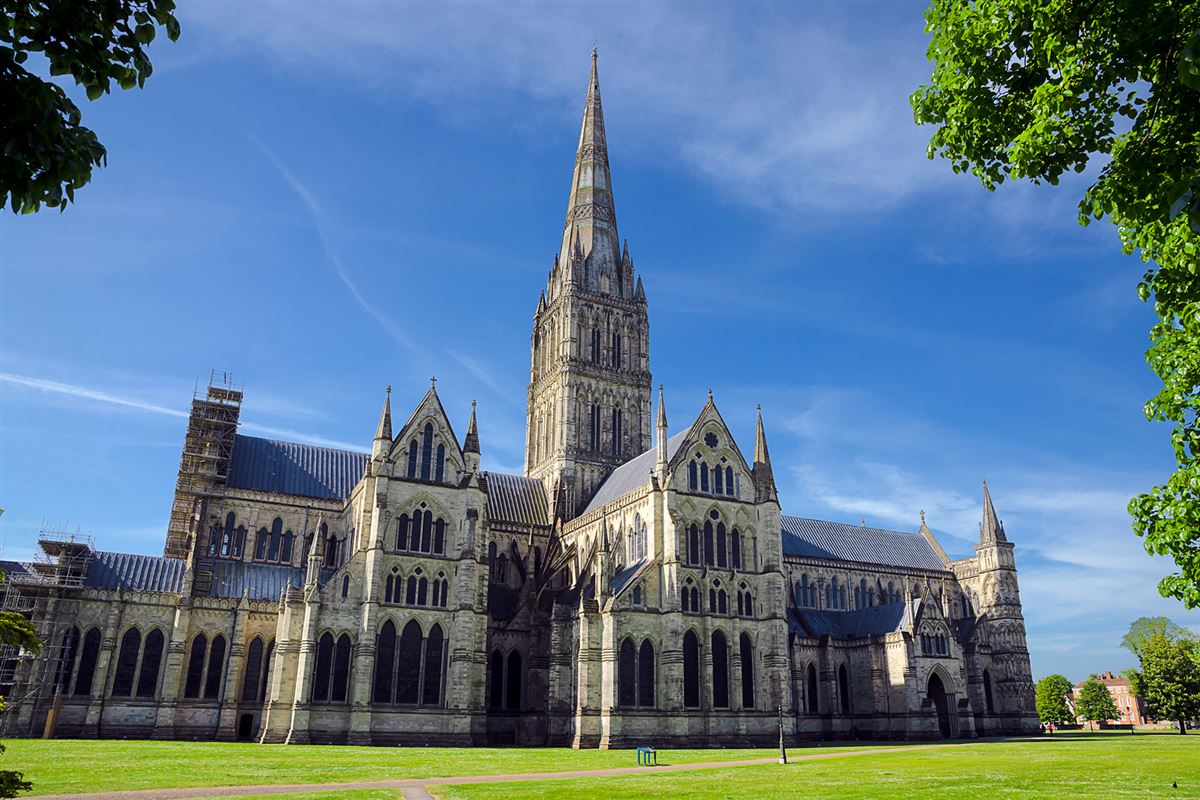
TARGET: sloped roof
(633,474)
(266,465)
(134,572)
(814,538)
(260,581)
(872,621)
(628,574)
(515,498)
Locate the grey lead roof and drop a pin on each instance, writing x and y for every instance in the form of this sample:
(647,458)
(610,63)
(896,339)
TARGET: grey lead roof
(872,621)
(515,498)
(134,572)
(814,538)
(260,581)
(266,465)
(633,474)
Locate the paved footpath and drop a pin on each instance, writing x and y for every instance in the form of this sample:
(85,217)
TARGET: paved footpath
(415,788)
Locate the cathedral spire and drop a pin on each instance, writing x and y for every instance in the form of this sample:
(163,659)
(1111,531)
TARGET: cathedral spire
(661,466)
(764,477)
(591,223)
(383,431)
(991,530)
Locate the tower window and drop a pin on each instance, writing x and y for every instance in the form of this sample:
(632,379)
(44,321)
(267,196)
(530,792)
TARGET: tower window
(595,354)
(617,432)
(614,355)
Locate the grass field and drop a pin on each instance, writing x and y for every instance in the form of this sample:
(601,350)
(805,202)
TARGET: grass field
(60,766)
(1069,766)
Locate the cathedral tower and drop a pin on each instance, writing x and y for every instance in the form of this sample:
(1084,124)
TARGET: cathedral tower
(589,379)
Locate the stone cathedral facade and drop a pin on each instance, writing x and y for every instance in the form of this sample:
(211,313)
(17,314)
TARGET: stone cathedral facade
(637,585)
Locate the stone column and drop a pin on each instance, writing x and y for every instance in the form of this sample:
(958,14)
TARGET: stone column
(112,629)
(227,721)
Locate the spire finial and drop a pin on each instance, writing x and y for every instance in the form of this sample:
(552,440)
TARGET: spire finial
(922,516)
(471,443)
(383,431)
(433,382)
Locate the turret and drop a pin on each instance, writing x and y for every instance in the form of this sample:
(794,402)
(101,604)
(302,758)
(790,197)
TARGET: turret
(764,477)
(471,443)
(383,431)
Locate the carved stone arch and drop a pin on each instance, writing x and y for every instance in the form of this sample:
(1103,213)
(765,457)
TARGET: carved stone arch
(948,682)
(414,502)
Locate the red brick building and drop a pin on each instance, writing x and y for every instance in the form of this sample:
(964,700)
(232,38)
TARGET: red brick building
(1131,707)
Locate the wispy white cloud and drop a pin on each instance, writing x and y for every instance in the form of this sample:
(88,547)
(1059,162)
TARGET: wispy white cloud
(85,393)
(321,226)
(93,396)
(785,112)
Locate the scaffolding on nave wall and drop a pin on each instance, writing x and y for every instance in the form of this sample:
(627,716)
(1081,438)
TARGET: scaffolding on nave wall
(46,591)
(207,449)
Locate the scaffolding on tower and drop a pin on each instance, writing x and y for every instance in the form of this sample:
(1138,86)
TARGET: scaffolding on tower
(47,592)
(207,450)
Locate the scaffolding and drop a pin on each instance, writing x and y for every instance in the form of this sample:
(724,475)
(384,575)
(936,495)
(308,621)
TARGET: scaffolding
(207,450)
(47,592)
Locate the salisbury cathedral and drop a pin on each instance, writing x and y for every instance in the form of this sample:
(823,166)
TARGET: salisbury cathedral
(637,585)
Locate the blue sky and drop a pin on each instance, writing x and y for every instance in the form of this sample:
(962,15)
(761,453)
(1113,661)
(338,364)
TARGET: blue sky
(327,198)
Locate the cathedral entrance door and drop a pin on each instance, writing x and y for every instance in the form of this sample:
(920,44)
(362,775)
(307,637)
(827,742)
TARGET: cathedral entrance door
(937,693)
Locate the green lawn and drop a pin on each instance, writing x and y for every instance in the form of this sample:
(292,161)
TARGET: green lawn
(1068,766)
(76,765)
(1103,765)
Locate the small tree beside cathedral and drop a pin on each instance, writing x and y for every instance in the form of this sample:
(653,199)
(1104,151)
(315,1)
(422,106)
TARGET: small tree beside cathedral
(1052,703)
(1169,678)
(1096,703)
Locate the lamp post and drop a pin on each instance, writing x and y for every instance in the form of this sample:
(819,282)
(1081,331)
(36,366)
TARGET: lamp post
(782,751)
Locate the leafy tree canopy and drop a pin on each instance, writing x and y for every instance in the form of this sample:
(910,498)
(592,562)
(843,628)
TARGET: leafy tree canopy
(1095,702)
(1169,678)
(1052,706)
(47,154)
(1034,89)
(1142,628)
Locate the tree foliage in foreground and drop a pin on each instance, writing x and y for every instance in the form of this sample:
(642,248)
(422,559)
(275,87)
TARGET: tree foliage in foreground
(1168,679)
(46,154)
(15,631)
(1095,703)
(1052,692)
(1035,89)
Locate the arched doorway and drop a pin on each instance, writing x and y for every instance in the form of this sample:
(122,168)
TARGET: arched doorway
(937,694)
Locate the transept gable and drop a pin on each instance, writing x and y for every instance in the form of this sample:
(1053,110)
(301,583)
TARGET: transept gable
(709,445)
(426,433)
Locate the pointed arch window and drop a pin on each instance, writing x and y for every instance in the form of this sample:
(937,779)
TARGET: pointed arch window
(147,684)
(594,428)
(627,675)
(431,692)
(812,705)
(496,679)
(703,477)
(408,671)
(718,480)
(693,544)
(127,660)
(412,458)
(617,432)
(276,536)
(195,670)
(385,662)
(735,548)
(595,349)
(708,543)
(341,669)
(720,666)
(722,559)
(88,656)
(426,451)
(216,668)
(987,692)
(844,689)
(693,479)
(729,489)
(614,355)
(646,673)
(253,673)
(746,655)
(691,670)
(324,668)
